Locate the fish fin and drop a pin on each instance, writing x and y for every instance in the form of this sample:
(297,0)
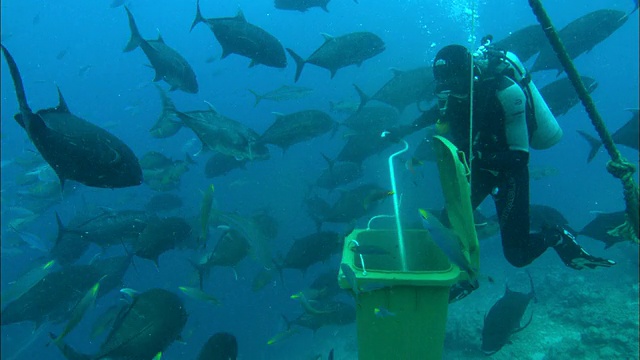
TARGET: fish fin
(158,77)
(396,71)
(258,97)
(333,72)
(211,107)
(324,6)
(329,161)
(593,142)
(160,39)
(525,325)
(252,63)
(201,270)
(17,83)
(199,18)
(327,37)
(240,16)
(173,88)
(62,105)
(225,53)
(330,355)
(18,118)
(364,98)
(135,39)
(299,63)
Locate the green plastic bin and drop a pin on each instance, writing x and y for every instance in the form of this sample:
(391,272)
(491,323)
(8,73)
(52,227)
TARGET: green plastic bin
(414,303)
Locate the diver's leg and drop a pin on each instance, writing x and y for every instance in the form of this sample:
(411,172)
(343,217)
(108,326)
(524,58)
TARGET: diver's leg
(482,183)
(512,206)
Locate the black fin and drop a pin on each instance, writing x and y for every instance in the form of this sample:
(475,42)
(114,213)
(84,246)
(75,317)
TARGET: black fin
(135,39)
(17,83)
(329,161)
(62,105)
(364,98)
(593,142)
(201,272)
(258,97)
(299,63)
(199,17)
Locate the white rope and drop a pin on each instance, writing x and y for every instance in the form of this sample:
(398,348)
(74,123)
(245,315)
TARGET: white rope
(470,157)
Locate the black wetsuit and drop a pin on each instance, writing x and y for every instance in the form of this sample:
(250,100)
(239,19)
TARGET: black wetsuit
(500,161)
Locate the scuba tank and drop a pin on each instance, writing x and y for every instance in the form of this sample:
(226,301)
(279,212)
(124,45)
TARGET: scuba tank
(544,131)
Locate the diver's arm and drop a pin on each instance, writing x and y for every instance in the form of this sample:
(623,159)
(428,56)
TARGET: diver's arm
(427,118)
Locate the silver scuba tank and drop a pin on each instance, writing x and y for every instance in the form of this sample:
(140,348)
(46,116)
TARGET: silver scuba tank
(546,131)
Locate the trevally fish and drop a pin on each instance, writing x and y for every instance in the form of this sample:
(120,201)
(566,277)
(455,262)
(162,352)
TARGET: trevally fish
(404,88)
(169,65)
(224,135)
(580,36)
(76,149)
(338,52)
(220,346)
(504,318)
(301,5)
(237,36)
(145,328)
(284,92)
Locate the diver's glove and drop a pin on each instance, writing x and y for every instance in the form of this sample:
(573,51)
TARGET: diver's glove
(395,134)
(574,256)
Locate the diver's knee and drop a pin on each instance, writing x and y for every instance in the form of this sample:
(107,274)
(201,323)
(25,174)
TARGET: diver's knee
(516,257)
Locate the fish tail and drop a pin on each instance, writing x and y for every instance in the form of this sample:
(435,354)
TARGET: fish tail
(364,98)
(135,39)
(329,161)
(201,272)
(258,97)
(593,142)
(17,83)
(168,106)
(299,63)
(199,18)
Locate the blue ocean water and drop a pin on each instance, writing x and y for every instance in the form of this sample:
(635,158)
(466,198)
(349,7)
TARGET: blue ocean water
(52,42)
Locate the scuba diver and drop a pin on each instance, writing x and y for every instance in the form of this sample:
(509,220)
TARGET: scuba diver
(509,117)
